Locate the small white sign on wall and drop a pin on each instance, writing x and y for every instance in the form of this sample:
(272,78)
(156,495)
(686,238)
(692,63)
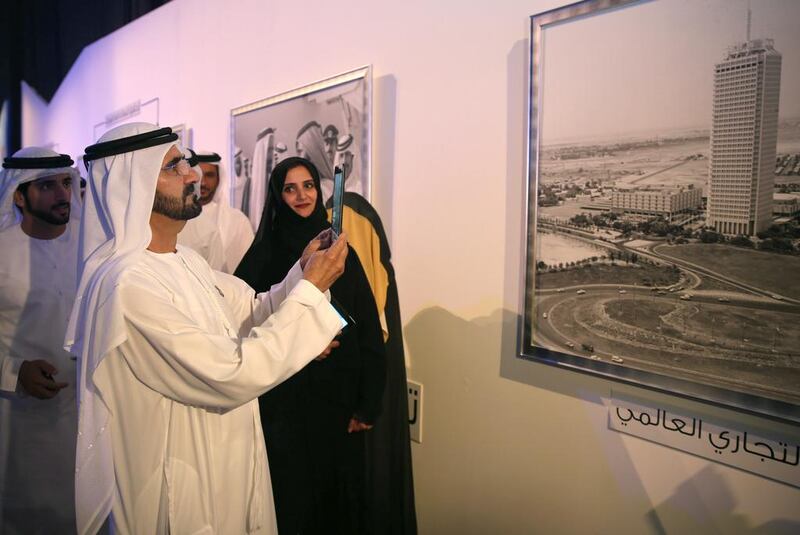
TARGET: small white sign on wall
(415,411)
(775,457)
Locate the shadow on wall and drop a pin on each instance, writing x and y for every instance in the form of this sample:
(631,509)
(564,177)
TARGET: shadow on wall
(705,496)
(499,457)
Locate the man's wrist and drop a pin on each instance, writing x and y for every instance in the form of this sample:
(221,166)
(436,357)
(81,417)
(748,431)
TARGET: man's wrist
(9,373)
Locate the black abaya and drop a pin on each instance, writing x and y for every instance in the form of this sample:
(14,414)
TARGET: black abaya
(316,466)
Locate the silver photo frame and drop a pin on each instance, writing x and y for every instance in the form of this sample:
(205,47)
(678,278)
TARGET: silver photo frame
(184,135)
(328,121)
(634,269)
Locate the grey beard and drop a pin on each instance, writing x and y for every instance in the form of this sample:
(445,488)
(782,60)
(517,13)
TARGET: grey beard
(177,208)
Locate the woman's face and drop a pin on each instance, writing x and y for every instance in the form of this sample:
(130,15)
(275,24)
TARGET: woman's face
(299,192)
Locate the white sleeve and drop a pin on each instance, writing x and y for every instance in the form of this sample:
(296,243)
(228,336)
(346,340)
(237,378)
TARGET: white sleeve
(168,351)
(9,372)
(249,309)
(269,301)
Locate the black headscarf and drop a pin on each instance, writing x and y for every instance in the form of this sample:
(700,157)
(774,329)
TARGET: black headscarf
(282,234)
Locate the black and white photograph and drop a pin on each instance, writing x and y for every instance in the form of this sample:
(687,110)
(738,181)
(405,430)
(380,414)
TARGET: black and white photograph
(664,179)
(327,122)
(184,135)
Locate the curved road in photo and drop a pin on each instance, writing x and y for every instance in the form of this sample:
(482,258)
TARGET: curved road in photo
(754,298)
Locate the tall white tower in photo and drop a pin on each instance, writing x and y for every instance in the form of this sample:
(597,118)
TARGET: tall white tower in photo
(744,135)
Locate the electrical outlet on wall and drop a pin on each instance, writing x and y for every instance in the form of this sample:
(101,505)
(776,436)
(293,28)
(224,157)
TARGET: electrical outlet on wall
(415,411)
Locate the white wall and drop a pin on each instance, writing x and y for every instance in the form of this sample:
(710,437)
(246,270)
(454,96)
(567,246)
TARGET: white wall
(34,118)
(509,446)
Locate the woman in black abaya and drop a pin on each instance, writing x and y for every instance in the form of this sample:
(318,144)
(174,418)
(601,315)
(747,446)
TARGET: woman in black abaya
(314,422)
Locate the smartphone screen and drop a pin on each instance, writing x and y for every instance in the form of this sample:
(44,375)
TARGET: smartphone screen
(338,200)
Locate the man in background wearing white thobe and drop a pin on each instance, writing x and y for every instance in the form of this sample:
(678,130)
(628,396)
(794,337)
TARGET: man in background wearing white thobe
(221,234)
(173,355)
(39,216)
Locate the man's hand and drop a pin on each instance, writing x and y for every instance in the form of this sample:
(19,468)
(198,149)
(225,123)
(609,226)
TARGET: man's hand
(333,345)
(357,425)
(323,267)
(320,242)
(36,378)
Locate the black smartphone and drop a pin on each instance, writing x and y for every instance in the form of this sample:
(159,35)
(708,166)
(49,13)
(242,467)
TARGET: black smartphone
(338,201)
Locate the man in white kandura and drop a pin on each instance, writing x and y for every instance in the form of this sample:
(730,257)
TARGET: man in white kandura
(221,233)
(172,355)
(39,217)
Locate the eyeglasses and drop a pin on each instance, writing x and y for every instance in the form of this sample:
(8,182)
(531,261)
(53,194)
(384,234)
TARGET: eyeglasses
(179,168)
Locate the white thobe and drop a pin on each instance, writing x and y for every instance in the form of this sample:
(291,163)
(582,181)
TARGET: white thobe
(188,450)
(37,437)
(221,234)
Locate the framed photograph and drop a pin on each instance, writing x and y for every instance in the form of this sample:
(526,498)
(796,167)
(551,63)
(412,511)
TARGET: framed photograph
(663,210)
(184,135)
(327,122)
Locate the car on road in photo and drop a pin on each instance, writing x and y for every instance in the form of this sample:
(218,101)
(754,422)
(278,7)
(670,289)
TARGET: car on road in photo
(776,297)
(723,300)
(685,297)
(616,359)
(544,315)
(623,291)
(581,291)
(570,345)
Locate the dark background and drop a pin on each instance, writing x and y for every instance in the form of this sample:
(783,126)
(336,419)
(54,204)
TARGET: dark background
(41,39)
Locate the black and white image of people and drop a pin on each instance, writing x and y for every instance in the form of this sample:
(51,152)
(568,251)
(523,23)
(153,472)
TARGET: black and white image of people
(326,122)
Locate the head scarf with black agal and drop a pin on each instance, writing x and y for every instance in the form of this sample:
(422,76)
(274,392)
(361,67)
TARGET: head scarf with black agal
(37,288)
(30,164)
(202,232)
(221,233)
(124,170)
(222,193)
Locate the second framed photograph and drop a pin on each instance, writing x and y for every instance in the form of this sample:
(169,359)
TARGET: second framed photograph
(663,239)
(328,122)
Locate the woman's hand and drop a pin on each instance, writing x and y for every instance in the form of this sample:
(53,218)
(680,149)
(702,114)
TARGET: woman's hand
(357,425)
(333,345)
